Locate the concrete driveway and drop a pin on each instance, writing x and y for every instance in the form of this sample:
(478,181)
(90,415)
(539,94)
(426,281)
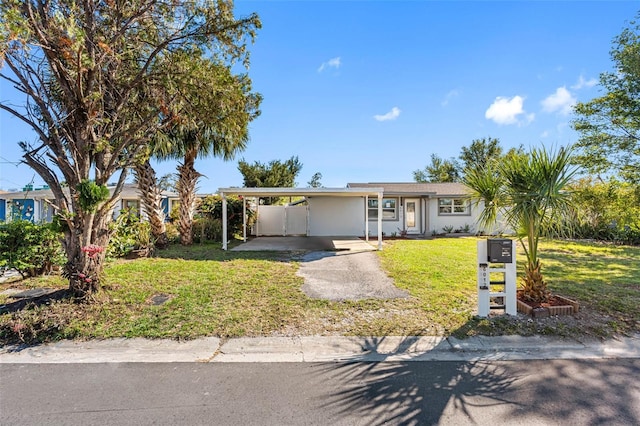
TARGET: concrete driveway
(304,244)
(346,275)
(334,268)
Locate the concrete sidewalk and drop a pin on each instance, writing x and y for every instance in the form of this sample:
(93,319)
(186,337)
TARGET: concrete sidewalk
(322,349)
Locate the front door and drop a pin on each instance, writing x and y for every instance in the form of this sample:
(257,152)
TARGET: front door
(412,215)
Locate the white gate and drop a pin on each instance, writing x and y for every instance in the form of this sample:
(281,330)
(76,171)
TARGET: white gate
(281,220)
(295,220)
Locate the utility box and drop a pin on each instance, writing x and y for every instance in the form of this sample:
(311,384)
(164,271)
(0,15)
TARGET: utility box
(499,250)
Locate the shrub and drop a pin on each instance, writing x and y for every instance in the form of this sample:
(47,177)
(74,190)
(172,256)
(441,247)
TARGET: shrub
(31,249)
(603,210)
(210,207)
(173,235)
(207,229)
(130,235)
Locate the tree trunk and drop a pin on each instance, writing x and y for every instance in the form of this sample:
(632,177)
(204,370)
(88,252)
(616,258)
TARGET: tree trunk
(85,246)
(187,180)
(152,201)
(84,274)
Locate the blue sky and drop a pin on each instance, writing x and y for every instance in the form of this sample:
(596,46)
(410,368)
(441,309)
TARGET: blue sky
(366,91)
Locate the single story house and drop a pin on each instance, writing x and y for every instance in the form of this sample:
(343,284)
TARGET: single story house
(35,204)
(363,209)
(424,208)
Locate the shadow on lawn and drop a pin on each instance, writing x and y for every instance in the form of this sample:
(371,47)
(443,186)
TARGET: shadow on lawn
(33,302)
(30,321)
(437,392)
(212,251)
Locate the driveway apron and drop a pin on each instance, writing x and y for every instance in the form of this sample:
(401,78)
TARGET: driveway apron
(346,275)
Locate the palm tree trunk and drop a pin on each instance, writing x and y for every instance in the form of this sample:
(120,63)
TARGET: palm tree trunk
(187,180)
(534,287)
(152,201)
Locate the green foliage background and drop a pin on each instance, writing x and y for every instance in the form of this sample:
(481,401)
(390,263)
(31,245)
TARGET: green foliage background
(29,248)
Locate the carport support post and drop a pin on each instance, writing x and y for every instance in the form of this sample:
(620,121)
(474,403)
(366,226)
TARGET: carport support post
(244,219)
(224,221)
(379,220)
(366,218)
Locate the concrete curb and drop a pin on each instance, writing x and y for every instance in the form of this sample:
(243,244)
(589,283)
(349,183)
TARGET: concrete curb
(322,349)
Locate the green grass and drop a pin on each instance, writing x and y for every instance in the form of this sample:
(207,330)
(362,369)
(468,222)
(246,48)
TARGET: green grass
(606,277)
(215,293)
(440,274)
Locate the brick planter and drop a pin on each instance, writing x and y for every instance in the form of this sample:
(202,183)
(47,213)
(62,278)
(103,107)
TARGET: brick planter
(569,307)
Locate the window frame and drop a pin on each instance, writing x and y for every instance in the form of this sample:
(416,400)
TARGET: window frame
(455,202)
(374,217)
(125,205)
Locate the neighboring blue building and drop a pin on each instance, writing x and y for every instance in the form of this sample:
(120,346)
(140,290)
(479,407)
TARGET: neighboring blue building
(36,204)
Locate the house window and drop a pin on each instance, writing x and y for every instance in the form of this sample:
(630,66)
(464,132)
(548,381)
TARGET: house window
(453,206)
(389,209)
(131,205)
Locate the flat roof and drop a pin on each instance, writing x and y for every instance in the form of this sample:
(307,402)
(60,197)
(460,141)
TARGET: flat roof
(302,192)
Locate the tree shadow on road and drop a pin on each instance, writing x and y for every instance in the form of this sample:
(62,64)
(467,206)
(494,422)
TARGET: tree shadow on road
(406,392)
(482,391)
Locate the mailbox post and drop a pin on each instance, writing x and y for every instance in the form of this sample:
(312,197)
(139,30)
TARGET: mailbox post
(496,257)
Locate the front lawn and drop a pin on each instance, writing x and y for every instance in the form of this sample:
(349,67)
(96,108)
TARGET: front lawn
(208,292)
(604,278)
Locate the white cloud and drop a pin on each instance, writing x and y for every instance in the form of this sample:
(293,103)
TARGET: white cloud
(544,134)
(331,63)
(582,82)
(508,111)
(391,115)
(561,101)
(449,96)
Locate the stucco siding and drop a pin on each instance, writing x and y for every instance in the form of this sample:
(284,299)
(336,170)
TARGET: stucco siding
(388,227)
(437,222)
(336,216)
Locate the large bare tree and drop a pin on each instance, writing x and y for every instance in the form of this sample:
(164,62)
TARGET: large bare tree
(99,79)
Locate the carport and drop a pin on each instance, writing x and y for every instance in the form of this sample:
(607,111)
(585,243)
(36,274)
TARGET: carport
(307,193)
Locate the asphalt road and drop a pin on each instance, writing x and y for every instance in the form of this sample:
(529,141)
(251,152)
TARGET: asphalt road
(567,392)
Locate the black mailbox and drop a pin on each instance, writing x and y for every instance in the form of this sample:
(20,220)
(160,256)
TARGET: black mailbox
(499,250)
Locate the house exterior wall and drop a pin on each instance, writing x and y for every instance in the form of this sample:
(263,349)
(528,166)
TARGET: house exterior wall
(389,226)
(27,209)
(437,221)
(45,211)
(32,203)
(336,216)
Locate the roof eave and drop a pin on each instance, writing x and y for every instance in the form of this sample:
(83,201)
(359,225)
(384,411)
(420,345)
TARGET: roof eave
(302,192)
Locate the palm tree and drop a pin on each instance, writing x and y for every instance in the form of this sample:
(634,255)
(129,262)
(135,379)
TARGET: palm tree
(529,191)
(217,125)
(187,144)
(151,195)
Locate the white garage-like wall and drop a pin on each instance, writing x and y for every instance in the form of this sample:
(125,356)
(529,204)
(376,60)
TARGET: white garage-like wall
(336,216)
